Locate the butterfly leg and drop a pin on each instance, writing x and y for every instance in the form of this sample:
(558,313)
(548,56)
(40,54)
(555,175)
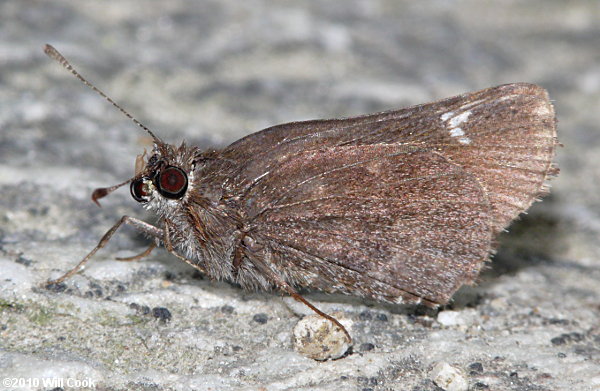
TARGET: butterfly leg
(280,283)
(141,255)
(138,224)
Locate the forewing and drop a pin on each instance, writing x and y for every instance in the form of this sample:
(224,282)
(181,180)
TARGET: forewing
(504,136)
(392,222)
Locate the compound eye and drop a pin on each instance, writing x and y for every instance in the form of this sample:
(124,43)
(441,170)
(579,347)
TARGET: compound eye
(172,182)
(138,190)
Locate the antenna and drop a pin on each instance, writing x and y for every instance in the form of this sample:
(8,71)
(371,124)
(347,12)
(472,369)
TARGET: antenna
(55,55)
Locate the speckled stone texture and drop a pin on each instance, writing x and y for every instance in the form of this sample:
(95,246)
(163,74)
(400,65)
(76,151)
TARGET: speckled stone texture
(213,71)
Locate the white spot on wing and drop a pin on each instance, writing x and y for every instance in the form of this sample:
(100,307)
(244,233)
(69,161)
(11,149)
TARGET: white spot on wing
(452,123)
(456,132)
(444,117)
(459,119)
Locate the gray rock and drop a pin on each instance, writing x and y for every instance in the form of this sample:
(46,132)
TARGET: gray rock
(210,72)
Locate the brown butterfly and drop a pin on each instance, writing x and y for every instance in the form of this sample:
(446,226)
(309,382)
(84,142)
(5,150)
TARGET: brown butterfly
(401,206)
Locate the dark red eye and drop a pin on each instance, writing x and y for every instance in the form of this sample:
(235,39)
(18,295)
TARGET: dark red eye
(172,182)
(138,191)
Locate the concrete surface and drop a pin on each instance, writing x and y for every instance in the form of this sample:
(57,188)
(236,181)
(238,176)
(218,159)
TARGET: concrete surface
(212,71)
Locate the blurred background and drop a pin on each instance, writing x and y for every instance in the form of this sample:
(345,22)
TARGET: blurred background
(210,72)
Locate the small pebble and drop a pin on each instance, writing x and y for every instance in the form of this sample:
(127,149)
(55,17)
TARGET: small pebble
(382,317)
(365,315)
(450,318)
(260,318)
(227,309)
(60,287)
(366,347)
(449,378)
(161,313)
(23,261)
(476,367)
(318,338)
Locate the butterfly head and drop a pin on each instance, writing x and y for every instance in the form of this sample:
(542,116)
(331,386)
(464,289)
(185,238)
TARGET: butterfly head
(160,180)
(159,176)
